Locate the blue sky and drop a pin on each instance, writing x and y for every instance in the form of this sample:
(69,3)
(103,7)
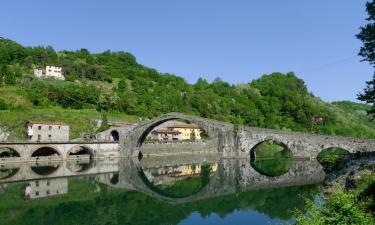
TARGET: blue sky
(237,40)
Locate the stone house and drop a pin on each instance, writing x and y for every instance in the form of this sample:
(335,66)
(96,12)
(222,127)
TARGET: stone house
(188,131)
(50,71)
(47,131)
(166,135)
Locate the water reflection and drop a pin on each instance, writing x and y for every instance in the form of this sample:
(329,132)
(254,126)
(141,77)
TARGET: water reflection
(46,188)
(179,180)
(271,159)
(46,169)
(80,166)
(7,172)
(162,190)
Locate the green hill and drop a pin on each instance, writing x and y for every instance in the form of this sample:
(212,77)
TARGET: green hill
(114,83)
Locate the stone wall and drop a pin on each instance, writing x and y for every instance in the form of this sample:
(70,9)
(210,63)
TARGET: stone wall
(177,148)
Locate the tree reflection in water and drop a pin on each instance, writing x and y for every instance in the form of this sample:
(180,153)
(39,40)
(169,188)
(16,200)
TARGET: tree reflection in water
(7,172)
(272,159)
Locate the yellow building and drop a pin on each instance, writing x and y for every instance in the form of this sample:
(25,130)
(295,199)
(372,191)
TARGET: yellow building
(187,131)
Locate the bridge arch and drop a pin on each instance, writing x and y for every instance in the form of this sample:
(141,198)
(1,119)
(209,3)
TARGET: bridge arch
(81,150)
(212,128)
(114,135)
(12,152)
(273,140)
(46,151)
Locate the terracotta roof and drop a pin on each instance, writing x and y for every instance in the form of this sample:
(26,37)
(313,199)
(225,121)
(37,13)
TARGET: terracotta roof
(47,123)
(166,131)
(192,126)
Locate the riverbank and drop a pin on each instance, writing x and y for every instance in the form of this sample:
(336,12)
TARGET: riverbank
(349,197)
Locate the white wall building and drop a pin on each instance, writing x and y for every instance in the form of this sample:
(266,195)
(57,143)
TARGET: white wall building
(50,71)
(46,188)
(47,131)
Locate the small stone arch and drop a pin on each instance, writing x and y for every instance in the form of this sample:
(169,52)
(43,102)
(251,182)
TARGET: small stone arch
(11,148)
(81,150)
(114,135)
(46,151)
(281,143)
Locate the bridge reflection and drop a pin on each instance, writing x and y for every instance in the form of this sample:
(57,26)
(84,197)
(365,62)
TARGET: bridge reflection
(158,176)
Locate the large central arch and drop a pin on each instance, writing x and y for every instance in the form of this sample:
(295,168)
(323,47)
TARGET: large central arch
(216,130)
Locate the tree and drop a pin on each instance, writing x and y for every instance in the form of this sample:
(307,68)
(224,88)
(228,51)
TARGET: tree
(367,51)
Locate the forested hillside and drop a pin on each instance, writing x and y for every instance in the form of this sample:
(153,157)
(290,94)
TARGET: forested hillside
(114,82)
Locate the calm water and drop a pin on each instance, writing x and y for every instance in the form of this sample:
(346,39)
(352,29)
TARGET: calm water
(166,190)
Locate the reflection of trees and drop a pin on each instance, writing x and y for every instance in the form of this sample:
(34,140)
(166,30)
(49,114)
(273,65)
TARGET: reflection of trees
(8,172)
(114,206)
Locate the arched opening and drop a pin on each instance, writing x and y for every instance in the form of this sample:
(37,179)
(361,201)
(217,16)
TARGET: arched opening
(271,158)
(6,152)
(80,153)
(45,152)
(45,169)
(115,135)
(333,158)
(178,181)
(114,178)
(6,173)
(174,135)
(173,129)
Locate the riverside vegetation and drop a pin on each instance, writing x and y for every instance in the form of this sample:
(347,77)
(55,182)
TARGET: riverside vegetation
(114,83)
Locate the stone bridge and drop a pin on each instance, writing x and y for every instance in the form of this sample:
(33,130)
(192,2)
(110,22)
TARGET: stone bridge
(240,141)
(25,151)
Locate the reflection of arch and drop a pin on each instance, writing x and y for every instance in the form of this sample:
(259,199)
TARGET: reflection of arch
(6,173)
(114,135)
(200,182)
(45,151)
(45,170)
(271,165)
(81,150)
(10,153)
(77,167)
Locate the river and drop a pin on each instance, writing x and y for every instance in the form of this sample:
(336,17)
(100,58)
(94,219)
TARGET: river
(190,189)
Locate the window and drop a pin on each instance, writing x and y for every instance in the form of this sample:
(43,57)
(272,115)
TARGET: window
(49,127)
(39,137)
(47,183)
(37,183)
(37,193)
(59,127)
(39,127)
(47,192)
(49,137)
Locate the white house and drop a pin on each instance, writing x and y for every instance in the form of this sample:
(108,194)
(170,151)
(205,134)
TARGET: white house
(46,188)
(47,131)
(50,71)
